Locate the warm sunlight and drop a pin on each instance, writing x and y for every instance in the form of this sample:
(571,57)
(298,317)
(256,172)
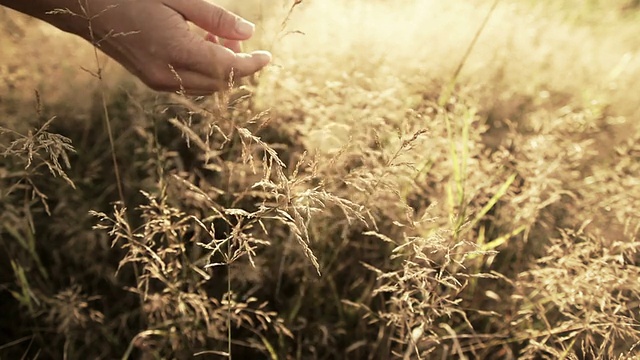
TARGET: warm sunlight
(320,179)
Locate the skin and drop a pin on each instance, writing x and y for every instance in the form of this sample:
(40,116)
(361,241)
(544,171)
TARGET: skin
(158,38)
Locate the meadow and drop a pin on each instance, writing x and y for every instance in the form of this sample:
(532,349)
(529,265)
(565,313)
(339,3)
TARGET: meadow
(416,179)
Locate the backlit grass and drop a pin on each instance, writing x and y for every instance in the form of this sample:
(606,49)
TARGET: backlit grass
(355,200)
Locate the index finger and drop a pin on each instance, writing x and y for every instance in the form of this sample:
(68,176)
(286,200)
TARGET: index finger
(213,18)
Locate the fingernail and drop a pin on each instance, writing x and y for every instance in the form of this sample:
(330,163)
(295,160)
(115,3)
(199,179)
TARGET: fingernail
(243,27)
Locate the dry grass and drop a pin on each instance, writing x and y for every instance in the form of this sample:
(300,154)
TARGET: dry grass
(339,206)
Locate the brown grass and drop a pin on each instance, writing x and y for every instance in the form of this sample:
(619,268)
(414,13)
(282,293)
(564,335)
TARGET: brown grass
(337,205)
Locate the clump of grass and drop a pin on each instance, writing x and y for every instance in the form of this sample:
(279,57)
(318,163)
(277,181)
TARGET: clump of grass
(190,229)
(40,148)
(595,316)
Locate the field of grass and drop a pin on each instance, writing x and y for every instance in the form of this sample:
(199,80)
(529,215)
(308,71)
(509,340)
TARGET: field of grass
(405,181)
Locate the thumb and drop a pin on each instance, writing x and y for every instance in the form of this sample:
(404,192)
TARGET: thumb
(213,18)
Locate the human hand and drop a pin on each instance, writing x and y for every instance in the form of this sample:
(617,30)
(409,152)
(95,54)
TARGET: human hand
(152,39)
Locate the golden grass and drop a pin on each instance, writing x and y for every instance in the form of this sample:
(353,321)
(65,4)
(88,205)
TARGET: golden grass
(498,223)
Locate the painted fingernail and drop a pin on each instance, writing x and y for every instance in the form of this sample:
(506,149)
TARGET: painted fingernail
(243,27)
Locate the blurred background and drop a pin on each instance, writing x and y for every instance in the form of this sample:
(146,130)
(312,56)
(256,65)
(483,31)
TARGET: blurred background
(490,213)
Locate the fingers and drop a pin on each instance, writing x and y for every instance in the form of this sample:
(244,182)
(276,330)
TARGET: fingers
(247,64)
(208,72)
(217,61)
(216,57)
(213,18)
(233,45)
(198,83)
(191,82)
(202,65)
(212,38)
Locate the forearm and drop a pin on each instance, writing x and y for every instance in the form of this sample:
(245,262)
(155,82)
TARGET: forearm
(75,21)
